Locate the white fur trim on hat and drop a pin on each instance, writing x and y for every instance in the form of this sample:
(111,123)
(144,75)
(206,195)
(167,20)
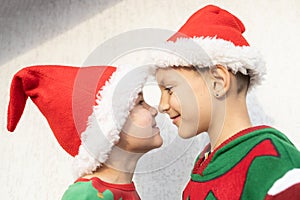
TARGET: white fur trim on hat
(207,52)
(114,102)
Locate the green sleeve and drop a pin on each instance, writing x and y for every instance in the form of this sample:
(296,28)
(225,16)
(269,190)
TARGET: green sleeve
(86,191)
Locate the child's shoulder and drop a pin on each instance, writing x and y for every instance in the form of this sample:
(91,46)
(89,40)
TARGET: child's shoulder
(262,133)
(80,189)
(259,140)
(278,138)
(271,138)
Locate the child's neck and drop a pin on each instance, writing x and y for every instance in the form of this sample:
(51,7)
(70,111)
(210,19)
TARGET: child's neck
(119,168)
(112,175)
(233,118)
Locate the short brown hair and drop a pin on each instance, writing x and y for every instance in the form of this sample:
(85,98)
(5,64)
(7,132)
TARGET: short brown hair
(243,82)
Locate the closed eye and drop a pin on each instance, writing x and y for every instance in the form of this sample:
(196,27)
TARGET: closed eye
(141,102)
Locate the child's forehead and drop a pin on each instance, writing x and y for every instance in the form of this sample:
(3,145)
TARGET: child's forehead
(165,76)
(172,75)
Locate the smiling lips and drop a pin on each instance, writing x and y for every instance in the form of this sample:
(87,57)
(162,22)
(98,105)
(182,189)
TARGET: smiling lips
(175,118)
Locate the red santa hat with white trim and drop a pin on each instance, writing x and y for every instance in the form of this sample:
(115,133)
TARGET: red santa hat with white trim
(209,37)
(86,107)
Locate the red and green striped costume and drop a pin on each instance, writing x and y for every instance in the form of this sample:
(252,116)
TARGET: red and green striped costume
(256,163)
(96,189)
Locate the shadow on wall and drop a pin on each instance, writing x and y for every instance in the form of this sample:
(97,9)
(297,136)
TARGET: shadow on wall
(25,24)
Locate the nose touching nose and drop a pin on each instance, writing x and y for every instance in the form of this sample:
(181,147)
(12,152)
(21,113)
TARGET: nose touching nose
(163,107)
(151,109)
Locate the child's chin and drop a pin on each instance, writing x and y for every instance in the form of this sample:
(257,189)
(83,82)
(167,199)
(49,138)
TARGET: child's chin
(185,135)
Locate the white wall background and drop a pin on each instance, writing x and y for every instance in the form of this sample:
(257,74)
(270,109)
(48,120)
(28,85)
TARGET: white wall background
(33,166)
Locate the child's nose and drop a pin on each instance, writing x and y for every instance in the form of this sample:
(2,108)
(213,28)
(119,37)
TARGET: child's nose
(153,111)
(163,106)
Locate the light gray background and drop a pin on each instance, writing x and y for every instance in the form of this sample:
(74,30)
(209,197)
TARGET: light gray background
(33,166)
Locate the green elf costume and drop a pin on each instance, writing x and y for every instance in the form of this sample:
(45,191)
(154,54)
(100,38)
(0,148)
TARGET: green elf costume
(256,163)
(94,188)
(66,97)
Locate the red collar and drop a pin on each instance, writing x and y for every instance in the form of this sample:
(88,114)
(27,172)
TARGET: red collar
(97,181)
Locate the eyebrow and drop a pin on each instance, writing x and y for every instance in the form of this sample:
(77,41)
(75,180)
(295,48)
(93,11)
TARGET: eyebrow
(168,82)
(162,83)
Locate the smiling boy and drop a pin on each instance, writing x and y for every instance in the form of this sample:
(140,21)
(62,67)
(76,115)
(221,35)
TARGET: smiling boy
(205,91)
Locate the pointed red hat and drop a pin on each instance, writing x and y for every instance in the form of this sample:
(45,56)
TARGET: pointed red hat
(51,88)
(79,105)
(213,36)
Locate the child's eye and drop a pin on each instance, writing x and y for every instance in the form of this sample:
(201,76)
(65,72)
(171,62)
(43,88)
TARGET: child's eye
(141,102)
(169,90)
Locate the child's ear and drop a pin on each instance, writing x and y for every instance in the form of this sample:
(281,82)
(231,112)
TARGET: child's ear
(220,80)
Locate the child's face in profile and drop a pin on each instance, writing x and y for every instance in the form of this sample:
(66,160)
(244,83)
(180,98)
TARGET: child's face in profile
(186,99)
(140,133)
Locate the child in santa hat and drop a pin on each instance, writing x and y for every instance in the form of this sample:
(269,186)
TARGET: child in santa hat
(121,125)
(204,82)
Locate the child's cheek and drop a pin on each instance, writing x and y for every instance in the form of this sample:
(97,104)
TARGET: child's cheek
(174,100)
(142,118)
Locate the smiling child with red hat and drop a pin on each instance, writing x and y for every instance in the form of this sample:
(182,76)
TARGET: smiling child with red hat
(204,80)
(105,124)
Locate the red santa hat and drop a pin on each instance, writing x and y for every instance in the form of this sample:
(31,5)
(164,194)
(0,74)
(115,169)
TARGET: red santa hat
(213,36)
(86,107)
